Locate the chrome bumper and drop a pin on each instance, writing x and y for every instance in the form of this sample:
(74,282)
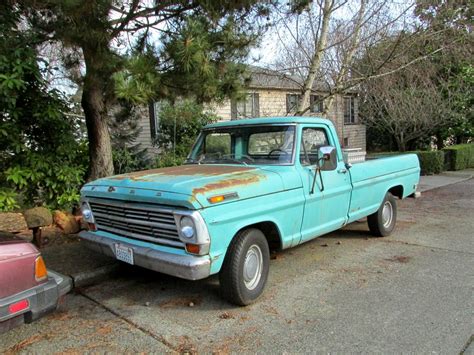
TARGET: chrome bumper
(188,267)
(41,300)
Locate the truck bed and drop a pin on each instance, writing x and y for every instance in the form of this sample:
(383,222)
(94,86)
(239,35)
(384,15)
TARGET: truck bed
(372,178)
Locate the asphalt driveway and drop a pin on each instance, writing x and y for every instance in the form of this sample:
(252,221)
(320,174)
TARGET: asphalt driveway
(345,292)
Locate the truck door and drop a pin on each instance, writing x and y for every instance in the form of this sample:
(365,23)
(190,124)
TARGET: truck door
(325,208)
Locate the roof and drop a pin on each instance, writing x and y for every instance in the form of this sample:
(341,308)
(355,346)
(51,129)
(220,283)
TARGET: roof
(270,120)
(261,78)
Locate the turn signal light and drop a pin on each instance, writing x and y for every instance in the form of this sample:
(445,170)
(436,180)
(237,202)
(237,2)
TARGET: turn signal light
(18,306)
(92,227)
(193,248)
(216,199)
(220,198)
(40,269)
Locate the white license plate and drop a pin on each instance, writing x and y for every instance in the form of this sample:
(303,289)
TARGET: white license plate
(124,253)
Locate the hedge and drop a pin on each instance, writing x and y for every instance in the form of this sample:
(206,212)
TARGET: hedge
(431,162)
(459,157)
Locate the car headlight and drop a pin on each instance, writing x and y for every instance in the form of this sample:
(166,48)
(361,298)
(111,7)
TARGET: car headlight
(87,212)
(187,227)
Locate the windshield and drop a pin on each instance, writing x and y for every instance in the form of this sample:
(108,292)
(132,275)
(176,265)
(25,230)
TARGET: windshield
(250,145)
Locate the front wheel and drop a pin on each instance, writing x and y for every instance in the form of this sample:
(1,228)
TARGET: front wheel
(382,223)
(245,270)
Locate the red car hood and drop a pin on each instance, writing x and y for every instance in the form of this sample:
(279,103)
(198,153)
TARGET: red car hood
(17,265)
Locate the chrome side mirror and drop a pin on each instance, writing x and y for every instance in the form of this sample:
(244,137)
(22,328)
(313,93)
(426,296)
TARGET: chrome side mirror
(327,158)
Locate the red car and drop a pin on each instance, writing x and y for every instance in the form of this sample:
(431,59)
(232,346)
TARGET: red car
(27,289)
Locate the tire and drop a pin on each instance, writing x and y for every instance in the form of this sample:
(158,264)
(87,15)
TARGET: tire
(245,270)
(382,224)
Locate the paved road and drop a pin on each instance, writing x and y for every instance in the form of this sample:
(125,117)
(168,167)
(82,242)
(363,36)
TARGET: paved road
(348,291)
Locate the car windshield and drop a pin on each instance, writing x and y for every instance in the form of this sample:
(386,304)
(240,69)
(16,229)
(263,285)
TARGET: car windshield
(248,145)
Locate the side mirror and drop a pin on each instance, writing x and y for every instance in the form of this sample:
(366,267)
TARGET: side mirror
(327,158)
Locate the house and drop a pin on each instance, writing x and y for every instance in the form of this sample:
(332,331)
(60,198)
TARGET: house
(270,93)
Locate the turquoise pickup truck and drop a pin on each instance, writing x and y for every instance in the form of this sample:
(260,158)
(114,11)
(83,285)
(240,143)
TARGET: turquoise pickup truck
(248,187)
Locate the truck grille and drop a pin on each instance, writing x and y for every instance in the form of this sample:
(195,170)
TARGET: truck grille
(137,221)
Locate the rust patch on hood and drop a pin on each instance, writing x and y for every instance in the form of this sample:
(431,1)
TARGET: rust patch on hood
(226,183)
(185,170)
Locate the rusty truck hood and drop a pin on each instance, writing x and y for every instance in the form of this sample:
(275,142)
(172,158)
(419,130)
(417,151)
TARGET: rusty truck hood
(188,185)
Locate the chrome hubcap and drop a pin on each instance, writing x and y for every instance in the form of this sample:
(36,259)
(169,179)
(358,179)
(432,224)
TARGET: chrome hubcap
(253,267)
(387,214)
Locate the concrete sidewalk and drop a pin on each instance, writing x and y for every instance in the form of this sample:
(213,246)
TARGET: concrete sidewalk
(446,178)
(87,267)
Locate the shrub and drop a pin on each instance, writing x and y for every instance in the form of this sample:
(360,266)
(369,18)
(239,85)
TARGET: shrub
(8,200)
(459,157)
(431,162)
(168,159)
(180,125)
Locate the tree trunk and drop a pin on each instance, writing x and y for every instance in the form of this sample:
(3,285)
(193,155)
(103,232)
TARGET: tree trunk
(316,60)
(95,111)
(348,56)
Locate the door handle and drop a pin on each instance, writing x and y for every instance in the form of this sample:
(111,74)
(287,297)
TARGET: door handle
(342,171)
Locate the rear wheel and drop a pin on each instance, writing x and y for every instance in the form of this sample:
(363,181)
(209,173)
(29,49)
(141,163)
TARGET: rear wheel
(245,270)
(382,223)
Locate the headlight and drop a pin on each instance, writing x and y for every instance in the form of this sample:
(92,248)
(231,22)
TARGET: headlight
(187,227)
(86,212)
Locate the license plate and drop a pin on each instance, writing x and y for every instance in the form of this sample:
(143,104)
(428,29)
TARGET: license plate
(124,253)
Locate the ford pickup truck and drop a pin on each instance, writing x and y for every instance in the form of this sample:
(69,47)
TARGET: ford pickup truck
(248,187)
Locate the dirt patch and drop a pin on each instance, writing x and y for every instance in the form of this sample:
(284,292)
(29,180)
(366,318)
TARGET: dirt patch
(226,315)
(60,316)
(399,259)
(181,302)
(25,343)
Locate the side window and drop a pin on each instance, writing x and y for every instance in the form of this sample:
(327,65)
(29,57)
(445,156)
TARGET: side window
(311,140)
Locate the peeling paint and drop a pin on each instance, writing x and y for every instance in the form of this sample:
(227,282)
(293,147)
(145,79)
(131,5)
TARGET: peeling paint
(184,170)
(226,183)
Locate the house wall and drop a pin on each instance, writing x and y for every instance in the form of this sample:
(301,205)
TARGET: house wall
(273,103)
(144,138)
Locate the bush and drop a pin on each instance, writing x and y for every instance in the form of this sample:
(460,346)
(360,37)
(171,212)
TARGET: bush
(459,157)
(431,162)
(180,125)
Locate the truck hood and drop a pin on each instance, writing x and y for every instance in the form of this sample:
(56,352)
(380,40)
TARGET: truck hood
(188,185)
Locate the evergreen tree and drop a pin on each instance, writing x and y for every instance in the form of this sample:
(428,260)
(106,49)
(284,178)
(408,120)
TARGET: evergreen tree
(187,48)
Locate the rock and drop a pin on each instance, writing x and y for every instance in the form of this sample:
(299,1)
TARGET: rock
(191,304)
(12,222)
(38,217)
(67,222)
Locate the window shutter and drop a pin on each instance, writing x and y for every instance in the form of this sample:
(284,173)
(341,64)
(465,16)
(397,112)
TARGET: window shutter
(311,103)
(288,103)
(256,105)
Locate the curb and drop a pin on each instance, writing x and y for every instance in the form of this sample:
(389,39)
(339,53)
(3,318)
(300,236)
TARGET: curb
(88,278)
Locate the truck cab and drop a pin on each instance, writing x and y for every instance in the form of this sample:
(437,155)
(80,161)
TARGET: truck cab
(247,187)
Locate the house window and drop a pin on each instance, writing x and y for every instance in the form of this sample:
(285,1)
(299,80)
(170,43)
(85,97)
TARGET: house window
(245,107)
(349,116)
(316,104)
(292,102)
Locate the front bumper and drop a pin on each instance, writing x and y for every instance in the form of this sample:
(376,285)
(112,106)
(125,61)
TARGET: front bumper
(188,267)
(41,300)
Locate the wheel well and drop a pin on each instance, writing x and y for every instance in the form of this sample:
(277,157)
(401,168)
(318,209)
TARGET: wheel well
(271,232)
(397,191)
